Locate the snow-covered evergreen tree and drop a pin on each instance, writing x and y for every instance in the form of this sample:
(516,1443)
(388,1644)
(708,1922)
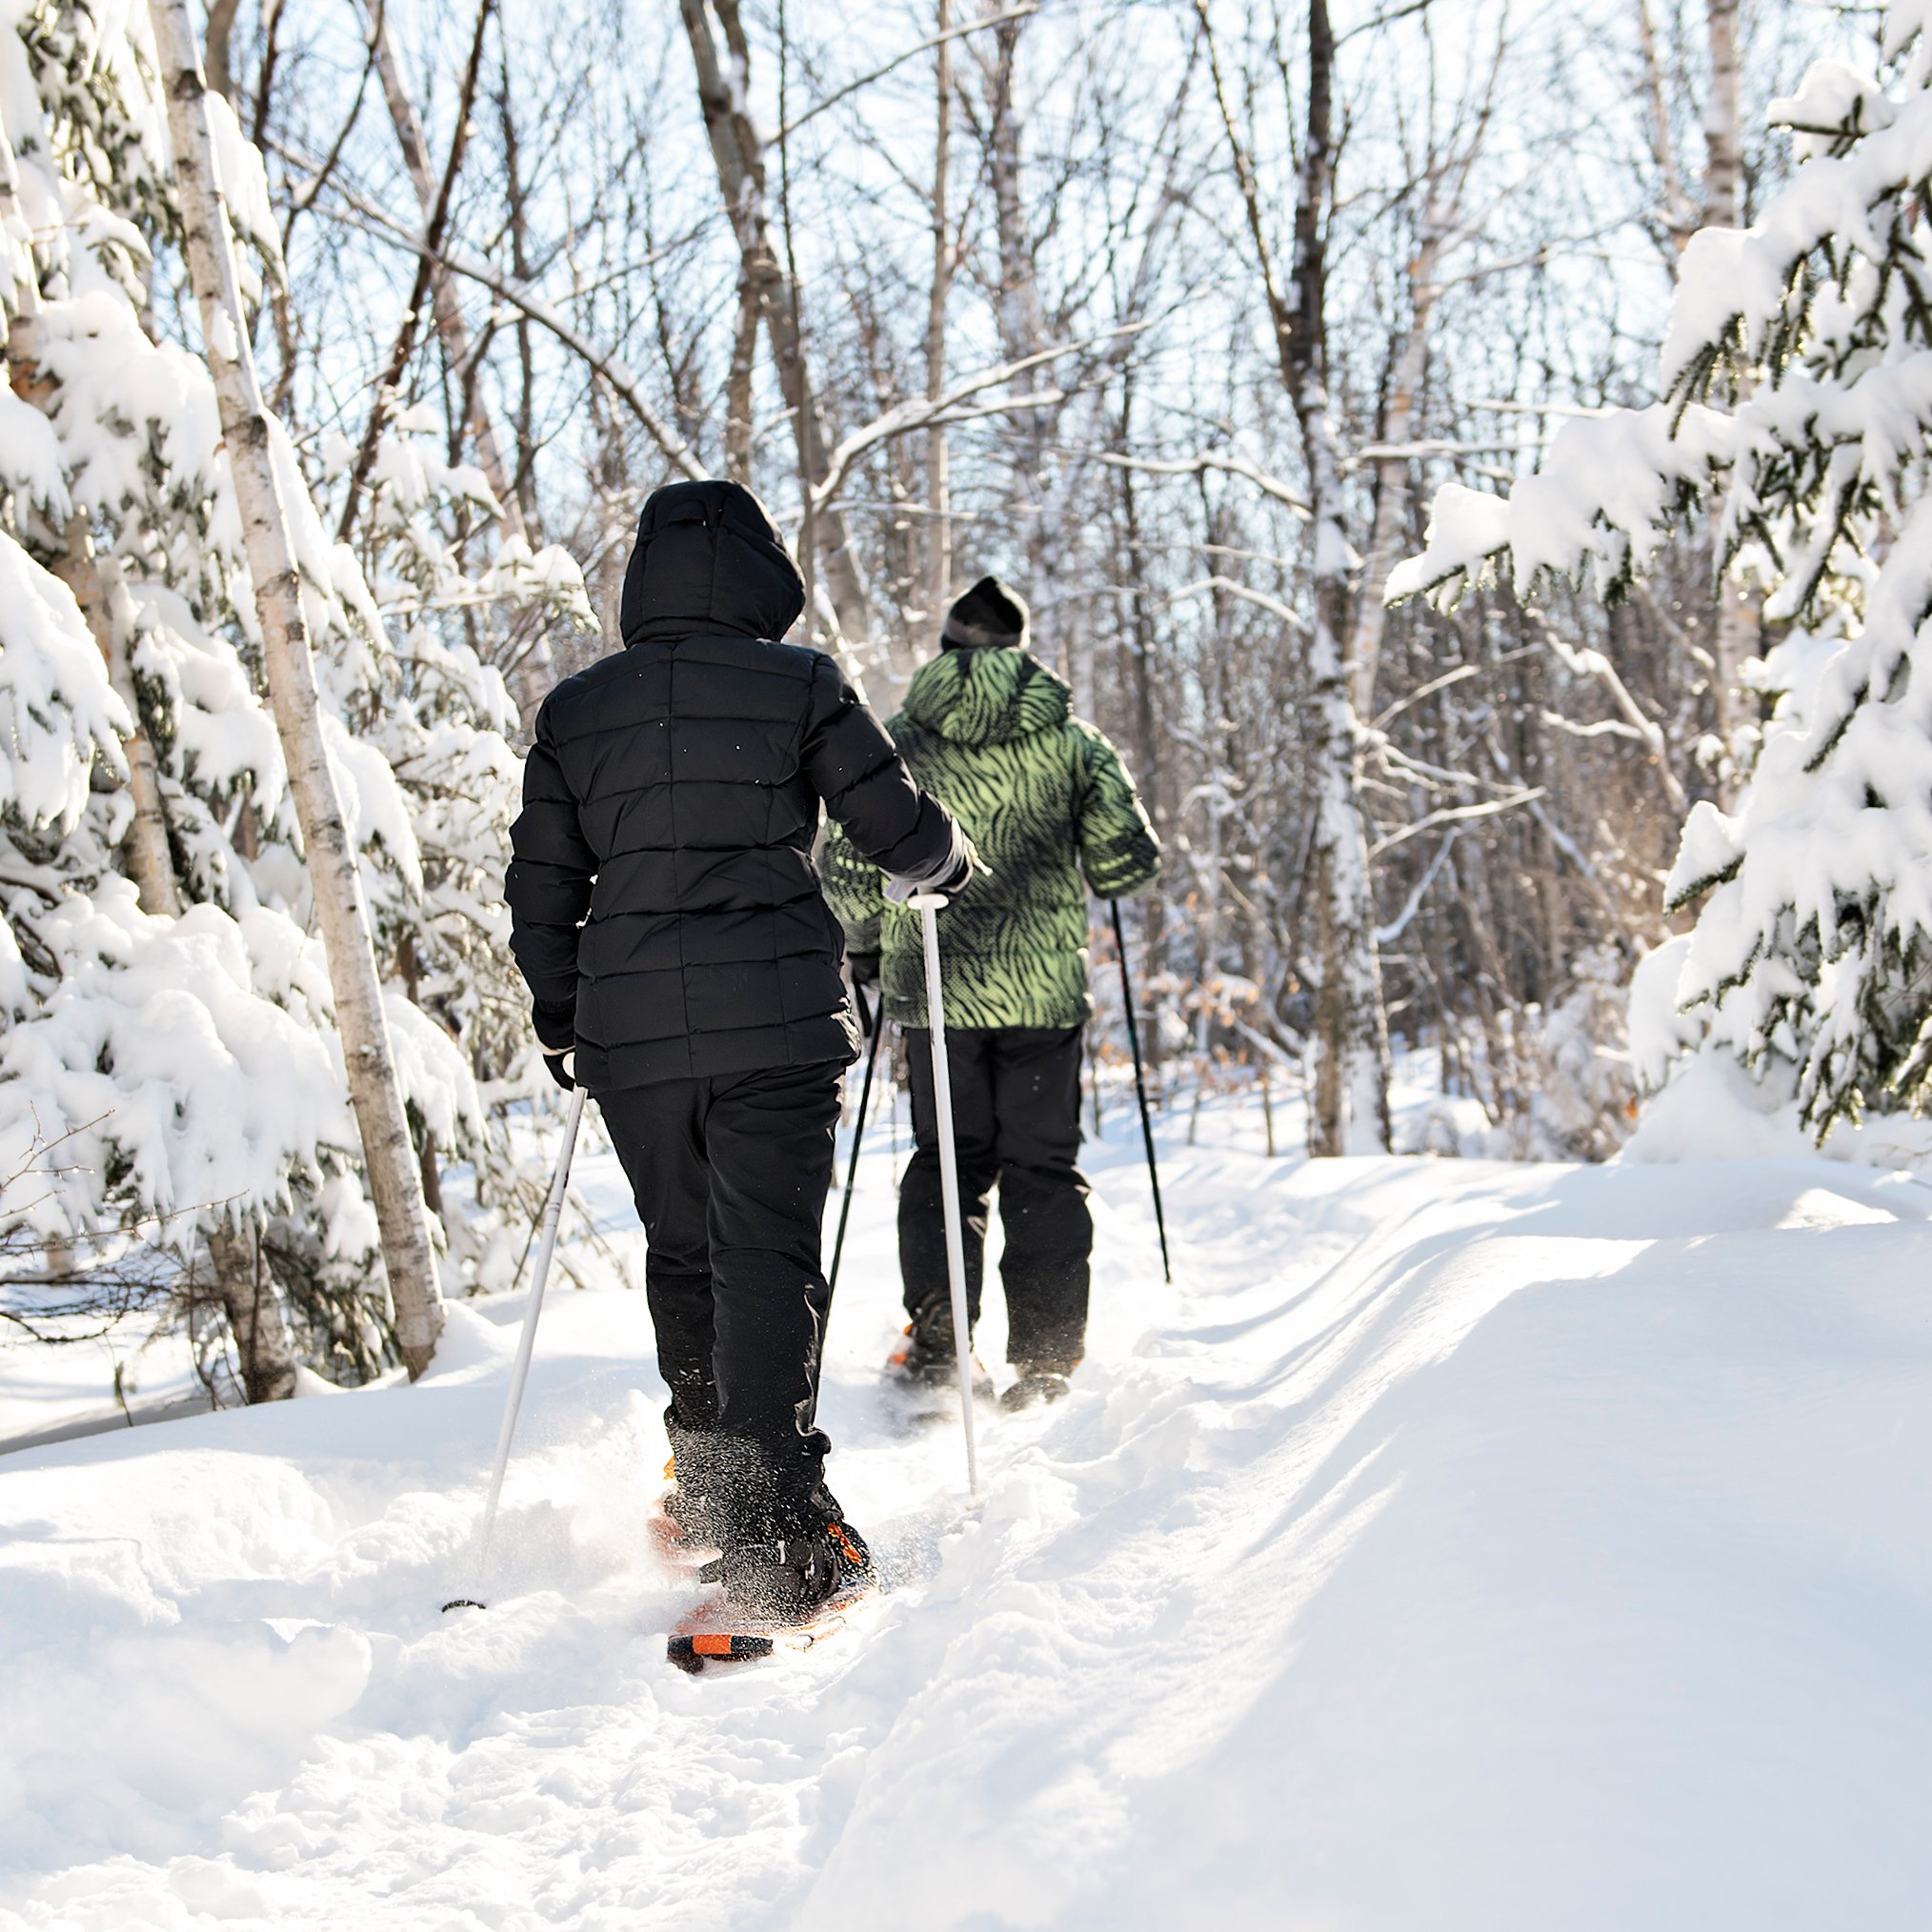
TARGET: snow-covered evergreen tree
(1797,385)
(169,1071)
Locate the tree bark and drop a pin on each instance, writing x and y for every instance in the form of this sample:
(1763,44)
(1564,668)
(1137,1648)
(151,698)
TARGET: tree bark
(1046,472)
(938,483)
(434,225)
(1147,760)
(1723,144)
(451,323)
(101,591)
(738,152)
(738,424)
(1350,1111)
(221,15)
(1387,534)
(1349,1050)
(254,1315)
(373,1090)
(1723,184)
(1679,217)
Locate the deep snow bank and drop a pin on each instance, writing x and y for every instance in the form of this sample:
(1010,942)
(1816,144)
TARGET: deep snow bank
(1462,1546)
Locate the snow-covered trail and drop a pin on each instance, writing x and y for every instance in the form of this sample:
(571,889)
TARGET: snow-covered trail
(1461,1545)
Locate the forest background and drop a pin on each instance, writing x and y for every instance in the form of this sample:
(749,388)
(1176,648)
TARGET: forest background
(1175,313)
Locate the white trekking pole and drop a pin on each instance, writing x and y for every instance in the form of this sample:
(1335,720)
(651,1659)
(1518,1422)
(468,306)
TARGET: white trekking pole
(519,1374)
(927,905)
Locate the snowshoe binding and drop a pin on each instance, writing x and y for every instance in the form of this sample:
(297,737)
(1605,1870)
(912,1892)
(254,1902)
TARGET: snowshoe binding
(788,1593)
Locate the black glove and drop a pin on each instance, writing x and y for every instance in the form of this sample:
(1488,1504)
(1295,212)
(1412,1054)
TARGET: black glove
(951,875)
(555,1026)
(864,968)
(561,1065)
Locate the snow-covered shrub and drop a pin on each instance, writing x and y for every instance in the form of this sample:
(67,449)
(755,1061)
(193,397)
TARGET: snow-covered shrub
(169,1071)
(1586,1096)
(1797,387)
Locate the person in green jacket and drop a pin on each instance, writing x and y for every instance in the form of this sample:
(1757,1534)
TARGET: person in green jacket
(988,729)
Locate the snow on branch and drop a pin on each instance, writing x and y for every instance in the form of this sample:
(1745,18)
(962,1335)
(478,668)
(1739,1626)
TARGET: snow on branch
(1612,494)
(920,413)
(1212,461)
(1457,815)
(58,715)
(1228,587)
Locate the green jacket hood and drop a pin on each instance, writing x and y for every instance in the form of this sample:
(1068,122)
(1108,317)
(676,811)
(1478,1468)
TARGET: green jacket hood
(987,696)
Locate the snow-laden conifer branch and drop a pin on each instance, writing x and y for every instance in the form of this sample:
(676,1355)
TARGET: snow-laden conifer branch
(1797,376)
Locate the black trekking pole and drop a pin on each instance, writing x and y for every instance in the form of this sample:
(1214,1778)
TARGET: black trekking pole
(1141,1088)
(857,1132)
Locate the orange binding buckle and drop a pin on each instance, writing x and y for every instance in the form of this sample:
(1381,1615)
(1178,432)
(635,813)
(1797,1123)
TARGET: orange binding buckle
(693,1652)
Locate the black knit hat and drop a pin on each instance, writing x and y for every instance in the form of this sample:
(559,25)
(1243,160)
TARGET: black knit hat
(990,615)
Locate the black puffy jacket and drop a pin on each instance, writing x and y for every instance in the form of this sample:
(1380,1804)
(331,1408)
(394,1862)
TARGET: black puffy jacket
(664,906)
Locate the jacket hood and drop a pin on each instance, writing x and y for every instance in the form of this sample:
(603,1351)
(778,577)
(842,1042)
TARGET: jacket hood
(990,614)
(987,696)
(709,558)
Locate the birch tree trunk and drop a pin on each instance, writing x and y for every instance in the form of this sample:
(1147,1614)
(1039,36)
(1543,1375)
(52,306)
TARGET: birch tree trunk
(1680,212)
(373,1089)
(101,591)
(1391,475)
(738,153)
(1349,1110)
(1021,319)
(254,1315)
(435,223)
(451,323)
(740,428)
(1349,1051)
(938,483)
(1723,183)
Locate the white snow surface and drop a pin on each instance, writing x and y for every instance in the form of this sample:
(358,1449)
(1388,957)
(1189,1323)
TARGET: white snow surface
(1457,1545)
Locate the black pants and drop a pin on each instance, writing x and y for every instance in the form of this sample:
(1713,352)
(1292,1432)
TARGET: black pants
(1017,1122)
(729,1175)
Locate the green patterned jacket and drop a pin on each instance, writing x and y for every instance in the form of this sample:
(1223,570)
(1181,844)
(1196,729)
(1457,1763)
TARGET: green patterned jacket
(1043,795)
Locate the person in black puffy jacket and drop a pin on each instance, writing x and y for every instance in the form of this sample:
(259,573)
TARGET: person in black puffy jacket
(685,970)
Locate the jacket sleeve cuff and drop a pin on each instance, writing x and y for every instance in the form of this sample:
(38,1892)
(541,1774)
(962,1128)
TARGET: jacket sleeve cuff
(557,1027)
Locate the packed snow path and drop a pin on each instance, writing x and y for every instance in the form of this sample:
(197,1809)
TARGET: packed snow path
(1461,1545)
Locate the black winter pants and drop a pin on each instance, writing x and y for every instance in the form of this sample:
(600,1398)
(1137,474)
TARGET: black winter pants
(730,1174)
(1016,1122)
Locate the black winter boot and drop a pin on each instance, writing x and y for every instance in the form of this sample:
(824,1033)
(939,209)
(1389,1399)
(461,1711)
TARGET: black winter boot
(789,1576)
(922,1356)
(923,1359)
(696,1501)
(1035,1386)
